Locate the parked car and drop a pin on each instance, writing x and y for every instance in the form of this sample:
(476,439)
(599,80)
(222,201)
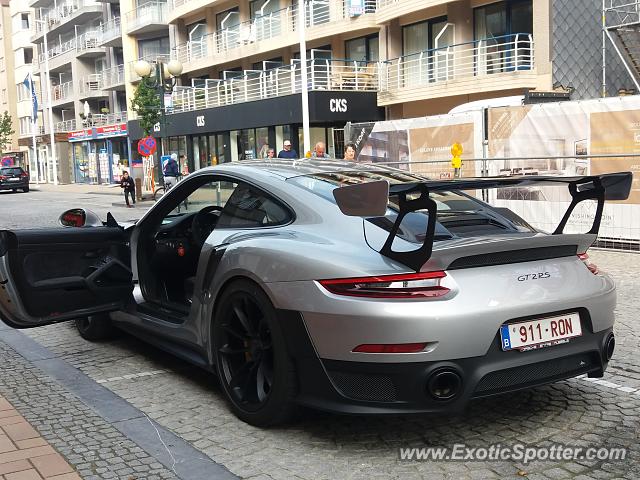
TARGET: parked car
(344,287)
(14,178)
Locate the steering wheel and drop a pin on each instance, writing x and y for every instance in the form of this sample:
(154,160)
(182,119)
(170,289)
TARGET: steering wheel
(203,223)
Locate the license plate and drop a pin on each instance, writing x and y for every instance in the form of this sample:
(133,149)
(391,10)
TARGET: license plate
(540,333)
(15,179)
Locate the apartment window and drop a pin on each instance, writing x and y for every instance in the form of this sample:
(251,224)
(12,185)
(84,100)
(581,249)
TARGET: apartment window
(25,125)
(261,8)
(24,17)
(268,64)
(196,31)
(22,92)
(501,25)
(1,64)
(228,18)
(362,49)
(28,55)
(4,95)
(153,47)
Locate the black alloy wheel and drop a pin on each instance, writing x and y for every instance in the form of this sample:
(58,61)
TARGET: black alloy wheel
(254,368)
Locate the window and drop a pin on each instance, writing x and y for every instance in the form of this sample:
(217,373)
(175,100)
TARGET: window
(1,64)
(28,55)
(25,125)
(422,46)
(4,95)
(261,8)
(232,205)
(248,207)
(23,92)
(228,18)
(24,17)
(196,31)
(502,25)
(362,49)
(153,47)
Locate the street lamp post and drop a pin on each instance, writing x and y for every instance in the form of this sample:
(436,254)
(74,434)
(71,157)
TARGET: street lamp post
(163,81)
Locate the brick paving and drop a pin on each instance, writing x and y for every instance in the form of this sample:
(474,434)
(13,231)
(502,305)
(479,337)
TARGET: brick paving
(24,454)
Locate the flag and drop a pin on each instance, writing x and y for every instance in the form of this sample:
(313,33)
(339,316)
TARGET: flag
(28,82)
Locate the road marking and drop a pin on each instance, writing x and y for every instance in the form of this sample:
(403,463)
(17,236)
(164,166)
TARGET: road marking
(611,385)
(130,376)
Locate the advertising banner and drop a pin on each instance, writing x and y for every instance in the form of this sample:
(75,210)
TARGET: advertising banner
(564,135)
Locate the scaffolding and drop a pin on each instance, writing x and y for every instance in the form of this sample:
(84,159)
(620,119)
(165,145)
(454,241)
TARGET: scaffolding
(621,27)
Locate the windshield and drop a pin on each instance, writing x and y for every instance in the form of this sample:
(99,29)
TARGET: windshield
(459,214)
(10,171)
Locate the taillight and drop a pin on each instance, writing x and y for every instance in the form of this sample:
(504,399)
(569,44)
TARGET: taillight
(24,175)
(593,268)
(411,285)
(390,347)
(2,177)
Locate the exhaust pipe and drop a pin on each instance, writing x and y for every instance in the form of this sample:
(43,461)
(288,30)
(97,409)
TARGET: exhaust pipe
(444,384)
(609,347)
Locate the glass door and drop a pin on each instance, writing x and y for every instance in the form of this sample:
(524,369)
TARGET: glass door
(441,60)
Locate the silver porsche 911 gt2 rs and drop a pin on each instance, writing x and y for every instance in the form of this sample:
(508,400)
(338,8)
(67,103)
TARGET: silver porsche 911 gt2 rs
(345,287)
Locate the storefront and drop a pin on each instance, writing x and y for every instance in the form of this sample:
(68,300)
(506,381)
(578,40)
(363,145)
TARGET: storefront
(246,131)
(99,154)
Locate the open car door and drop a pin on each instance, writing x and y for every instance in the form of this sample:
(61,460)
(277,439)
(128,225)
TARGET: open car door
(57,274)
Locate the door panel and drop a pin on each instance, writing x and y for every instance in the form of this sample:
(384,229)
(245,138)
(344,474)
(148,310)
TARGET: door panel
(57,274)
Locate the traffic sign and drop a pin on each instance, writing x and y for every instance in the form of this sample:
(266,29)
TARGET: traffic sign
(147,146)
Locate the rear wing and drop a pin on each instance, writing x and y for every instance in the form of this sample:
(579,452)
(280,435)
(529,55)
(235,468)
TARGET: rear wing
(371,199)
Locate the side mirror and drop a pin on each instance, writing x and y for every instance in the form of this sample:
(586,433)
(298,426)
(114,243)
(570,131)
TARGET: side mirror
(79,217)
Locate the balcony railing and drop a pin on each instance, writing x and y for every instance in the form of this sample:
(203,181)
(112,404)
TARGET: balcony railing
(113,76)
(286,80)
(101,119)
(92,84)
(272,25)
(58,50)
(29,129)
(147,14)
(55,16)
(88,40)
(61,92)
(110,30)
(64,126)
(508,53)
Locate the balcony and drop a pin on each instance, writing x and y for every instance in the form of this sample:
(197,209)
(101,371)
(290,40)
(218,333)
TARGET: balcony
(92,86)
(113,78)
(64,126)
(60,94)
(88,44)
(149,17)
(67,15)
(111,33)
(322,75)
(270,32)
(102,119)
(389,9)
(29,129)
(500,63)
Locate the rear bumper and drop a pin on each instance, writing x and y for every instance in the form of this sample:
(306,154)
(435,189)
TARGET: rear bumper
(13,185)
(383,388)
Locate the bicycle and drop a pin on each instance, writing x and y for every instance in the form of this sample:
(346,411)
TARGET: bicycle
(159,192)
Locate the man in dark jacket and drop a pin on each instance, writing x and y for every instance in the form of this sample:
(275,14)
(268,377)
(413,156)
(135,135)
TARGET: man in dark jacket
(171,171)
(288,152)
(129,187)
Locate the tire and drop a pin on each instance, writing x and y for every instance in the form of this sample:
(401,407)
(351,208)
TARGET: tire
(14,190)
(26,189)
(254,367)
(95,328)
(158,193)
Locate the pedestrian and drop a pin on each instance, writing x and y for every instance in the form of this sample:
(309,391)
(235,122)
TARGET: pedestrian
(184,165)
(350,152)
(170,171)
(288,152)
(271,153)
(320,151)
(126,183)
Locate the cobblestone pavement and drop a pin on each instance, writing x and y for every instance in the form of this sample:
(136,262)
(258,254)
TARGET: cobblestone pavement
(96,449)
(188,402)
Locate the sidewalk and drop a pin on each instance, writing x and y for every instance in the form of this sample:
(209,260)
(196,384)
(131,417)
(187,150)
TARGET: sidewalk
(24,454)
(85,189)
